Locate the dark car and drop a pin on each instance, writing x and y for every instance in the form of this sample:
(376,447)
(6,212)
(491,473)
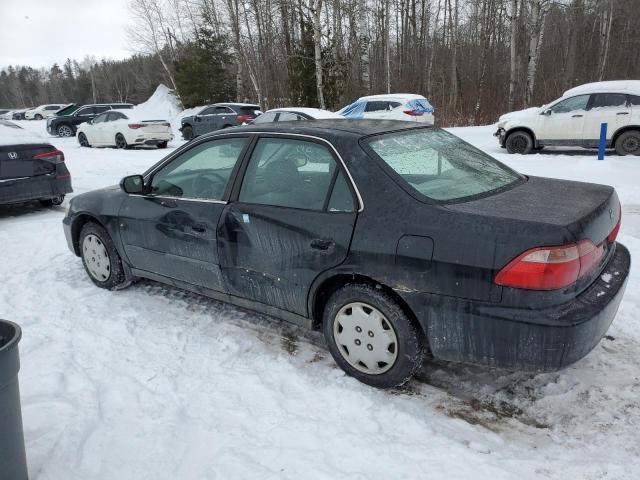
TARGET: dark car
(19,114)
(216,117)
(30,169)
(394,239)
(66,121)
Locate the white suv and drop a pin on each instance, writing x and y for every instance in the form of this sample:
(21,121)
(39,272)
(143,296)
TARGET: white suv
(43,111)
(392,106)
(575,120)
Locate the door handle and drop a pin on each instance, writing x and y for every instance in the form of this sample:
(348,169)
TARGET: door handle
(199,227)
(576,116)
(622,113)
(322,244)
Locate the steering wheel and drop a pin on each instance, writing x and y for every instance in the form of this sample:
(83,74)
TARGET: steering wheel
(208,185)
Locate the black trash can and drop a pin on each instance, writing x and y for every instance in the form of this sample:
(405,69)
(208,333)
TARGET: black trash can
(13,461)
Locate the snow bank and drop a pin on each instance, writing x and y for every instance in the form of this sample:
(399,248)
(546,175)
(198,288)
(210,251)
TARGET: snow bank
(162,104)
(626,86)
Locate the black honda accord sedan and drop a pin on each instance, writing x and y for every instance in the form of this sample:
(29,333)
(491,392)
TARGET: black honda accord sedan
(396,240)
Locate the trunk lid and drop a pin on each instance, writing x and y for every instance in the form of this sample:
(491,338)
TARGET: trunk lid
(547,212)
(16,161)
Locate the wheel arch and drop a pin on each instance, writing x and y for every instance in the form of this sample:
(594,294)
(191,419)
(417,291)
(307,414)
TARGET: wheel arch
(622,130)
(521,129)
(79,221)
(330,284)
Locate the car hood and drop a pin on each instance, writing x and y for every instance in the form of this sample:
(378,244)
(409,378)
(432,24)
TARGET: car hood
(527,112)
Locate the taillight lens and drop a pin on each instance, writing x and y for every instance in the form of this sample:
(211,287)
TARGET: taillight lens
(413,113)
(135,126)
(55,156)
(244,118)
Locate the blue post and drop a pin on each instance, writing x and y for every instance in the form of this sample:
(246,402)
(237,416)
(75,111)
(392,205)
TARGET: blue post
(603,141)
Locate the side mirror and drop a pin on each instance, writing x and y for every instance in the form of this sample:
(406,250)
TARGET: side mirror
(547,112)
(197,118)
(132,184)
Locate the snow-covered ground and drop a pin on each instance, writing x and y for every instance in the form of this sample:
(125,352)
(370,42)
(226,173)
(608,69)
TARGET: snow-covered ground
(155,383)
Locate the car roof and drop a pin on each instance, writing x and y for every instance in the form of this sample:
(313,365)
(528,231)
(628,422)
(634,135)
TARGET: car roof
(225,104)
(314,112)
(327,127)
(393,96)
(631,87)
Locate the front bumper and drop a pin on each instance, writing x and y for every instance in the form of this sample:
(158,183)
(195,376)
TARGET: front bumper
(500,135)
(519,339)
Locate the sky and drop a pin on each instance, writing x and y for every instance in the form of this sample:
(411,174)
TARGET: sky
(40,33)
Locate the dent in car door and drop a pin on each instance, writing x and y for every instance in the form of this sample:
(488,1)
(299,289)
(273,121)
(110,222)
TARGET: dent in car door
(172,230)
(278,238)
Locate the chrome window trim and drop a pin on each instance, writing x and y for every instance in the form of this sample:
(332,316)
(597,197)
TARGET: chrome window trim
(249,134)
(187,199)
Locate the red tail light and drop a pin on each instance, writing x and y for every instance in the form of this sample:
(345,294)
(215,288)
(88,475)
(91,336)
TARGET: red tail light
(244,118)
(135,126)
(55,156)
(413,113)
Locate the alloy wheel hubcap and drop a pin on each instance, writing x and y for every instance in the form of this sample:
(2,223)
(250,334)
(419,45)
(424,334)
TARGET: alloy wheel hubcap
(120,142)
(96,258)
(631,145)
(65,131)
(519,144)
(365,338)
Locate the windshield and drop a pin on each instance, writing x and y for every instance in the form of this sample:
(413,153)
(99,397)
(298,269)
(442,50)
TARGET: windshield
(440,165)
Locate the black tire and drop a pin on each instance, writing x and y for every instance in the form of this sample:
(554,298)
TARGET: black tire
(187,132)
(117,278)
(410,340)
(82,140)
(121,142)
(162,144)
(50,202)
(65,130)
(37,117)
(519,142)
(628,143)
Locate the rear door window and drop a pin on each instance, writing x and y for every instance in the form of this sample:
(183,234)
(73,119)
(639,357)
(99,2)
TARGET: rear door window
(266,117)
(440,166)
(85,111)
(608,100)
(291,173)
(289,117)
(376,106)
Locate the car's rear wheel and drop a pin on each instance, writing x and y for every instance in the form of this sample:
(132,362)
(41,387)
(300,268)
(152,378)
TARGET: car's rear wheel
(162,145)
(50,202)
(121,142)
(187,132)
(38,116)
(628,143)
(519,142)
(82,139)
(100,258)
(65,131)
(370,336)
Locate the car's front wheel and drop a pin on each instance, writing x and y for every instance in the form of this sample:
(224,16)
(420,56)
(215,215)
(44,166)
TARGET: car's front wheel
(187,132)
(162,145)
(628,143)
(519,142)
(370,336)
(82,139)
(100,258)
(65,131)
(38,116)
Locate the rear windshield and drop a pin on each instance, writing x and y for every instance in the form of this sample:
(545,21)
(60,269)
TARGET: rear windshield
(440,165)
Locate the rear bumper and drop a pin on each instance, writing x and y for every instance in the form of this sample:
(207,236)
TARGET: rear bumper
(151,138)
(530,340)
(33,188)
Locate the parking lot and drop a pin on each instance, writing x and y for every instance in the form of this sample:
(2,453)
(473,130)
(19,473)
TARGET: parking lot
(112,382)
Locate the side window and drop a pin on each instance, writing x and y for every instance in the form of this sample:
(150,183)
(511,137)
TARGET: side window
(289,117)
(288,173)
(223,110)
(208,111)
(100,118)
(571,104)
(201,172)
(101,108)
(266,117)
(341,198)
(608,100)
(634,100)
(85,111)
(376,106)
(393,105)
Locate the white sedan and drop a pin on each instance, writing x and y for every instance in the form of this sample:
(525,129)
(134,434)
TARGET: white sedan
(114,128)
